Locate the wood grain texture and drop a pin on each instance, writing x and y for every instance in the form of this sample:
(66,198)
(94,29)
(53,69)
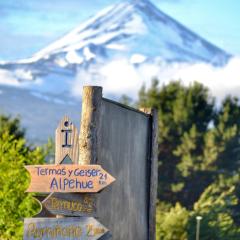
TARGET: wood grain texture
(68,178)
(121,140)
(70,204)
(90,119)
(90,123)
(66,141)
(85,228)
(123,151)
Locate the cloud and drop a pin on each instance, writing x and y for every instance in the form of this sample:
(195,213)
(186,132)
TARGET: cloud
(120,77)
(117,77)
(221,81)
(7,78)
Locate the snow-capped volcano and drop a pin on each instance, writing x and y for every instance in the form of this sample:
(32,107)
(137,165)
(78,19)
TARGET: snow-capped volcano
(133,33)
(128,28)
(133,29)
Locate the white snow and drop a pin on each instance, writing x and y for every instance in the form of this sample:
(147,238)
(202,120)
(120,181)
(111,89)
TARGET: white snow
(23,74)
(116,47)
(136,25)
(88,54)
(7,78)
(71,36)
(61,62)
(137,58)
(73,57)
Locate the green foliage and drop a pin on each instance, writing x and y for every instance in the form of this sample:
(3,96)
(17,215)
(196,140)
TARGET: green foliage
(199,157)
(12,126)
(184,117)
(15,204)
(172,222)
(196,139)
(217,206)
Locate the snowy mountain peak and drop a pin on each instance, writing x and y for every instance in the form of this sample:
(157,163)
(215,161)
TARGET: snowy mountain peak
(129,25)
(120,48)
(134,30)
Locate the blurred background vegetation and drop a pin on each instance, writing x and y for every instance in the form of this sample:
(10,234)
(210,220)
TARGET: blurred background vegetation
(15,152)
(199,160)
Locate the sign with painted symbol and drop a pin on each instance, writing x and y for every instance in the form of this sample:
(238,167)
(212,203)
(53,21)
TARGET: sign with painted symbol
(66,137)
(85,228)
(70,204)
(68,178)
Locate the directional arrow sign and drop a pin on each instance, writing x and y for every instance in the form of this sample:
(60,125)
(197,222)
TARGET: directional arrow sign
(85,228)
(70,204)
(68,178)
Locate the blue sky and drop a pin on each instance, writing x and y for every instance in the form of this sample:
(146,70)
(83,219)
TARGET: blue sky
(26,26)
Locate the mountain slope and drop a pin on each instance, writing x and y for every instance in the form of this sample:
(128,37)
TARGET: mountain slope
(135,30)
(127,27)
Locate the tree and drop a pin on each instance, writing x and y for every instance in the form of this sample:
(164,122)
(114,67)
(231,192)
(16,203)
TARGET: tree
(15,204)
(227,122)
(12,126)
(184,117)
(197,140)
(217,206)
(199,158)
(172,222)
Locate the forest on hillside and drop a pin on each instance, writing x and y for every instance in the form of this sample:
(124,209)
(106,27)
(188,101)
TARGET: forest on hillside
(198,165)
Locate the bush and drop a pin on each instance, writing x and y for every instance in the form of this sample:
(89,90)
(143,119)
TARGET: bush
(15,204)
(172,222)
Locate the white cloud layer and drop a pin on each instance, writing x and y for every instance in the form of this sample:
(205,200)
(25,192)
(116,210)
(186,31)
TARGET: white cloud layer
(120,77)
(7,78)
(221,81)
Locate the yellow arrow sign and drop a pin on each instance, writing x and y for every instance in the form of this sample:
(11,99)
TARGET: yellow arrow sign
(68,178)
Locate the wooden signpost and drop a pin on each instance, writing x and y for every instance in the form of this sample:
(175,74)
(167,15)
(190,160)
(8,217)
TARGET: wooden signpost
(71,204)
(121,139)
(69,184)
(66,137)
(68,178)
(63,228)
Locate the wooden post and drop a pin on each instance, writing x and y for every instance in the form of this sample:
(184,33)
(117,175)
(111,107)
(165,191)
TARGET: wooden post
(89,132)
(90,121)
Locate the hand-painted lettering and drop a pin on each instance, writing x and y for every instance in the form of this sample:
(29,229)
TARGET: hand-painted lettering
(65,183)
